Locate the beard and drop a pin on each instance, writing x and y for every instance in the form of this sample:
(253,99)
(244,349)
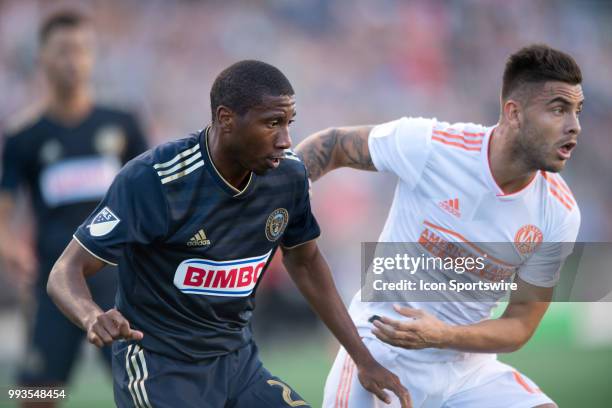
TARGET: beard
(534,153)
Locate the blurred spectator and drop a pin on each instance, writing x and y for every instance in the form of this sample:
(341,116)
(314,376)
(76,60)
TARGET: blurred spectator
(65,158)
(351,62)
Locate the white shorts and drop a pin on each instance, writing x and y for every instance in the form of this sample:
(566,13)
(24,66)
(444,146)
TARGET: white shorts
(479,381)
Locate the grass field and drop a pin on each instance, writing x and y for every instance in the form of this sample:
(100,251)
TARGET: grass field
(574,377)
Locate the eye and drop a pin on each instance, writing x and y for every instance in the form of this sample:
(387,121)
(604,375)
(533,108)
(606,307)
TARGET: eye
(558,110)
(274,123)
(291,121)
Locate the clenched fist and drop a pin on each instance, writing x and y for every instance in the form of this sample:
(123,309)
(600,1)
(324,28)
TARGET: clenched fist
(106,327)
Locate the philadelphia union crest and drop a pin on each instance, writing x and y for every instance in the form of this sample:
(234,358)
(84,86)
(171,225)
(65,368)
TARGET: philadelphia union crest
(277,221)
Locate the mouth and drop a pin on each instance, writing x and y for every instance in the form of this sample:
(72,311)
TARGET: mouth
(274,161)
(565,151)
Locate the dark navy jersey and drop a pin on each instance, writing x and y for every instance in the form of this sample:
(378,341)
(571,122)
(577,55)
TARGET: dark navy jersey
(191,248)
(67,170)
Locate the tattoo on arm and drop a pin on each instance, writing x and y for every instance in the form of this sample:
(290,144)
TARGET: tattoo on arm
(316,152)
(337,147)
(354,148)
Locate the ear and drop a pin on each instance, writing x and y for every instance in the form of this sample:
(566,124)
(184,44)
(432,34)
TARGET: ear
(225,118)
(513,113)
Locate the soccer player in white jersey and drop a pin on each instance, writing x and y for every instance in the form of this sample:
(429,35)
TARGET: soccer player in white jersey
(473,184)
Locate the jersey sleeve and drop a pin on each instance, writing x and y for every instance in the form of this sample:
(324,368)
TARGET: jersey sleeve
(134,211)
(12,169)
(302,226)
(543,268)
(402,147)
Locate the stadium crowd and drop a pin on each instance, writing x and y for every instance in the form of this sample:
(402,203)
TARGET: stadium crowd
(351,62)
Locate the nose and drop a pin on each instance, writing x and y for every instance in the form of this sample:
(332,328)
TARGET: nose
(283,141)
(573,125)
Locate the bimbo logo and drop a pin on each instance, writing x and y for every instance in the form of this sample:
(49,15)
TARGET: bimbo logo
(237,277)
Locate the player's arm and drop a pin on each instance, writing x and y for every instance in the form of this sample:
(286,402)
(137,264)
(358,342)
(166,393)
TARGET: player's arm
(312,275)
(506,334)
(333,148)
(134,195)
(67,287)
(18,256)
(509,332)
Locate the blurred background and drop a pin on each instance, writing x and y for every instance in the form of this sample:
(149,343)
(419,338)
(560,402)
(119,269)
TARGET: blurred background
(350,62)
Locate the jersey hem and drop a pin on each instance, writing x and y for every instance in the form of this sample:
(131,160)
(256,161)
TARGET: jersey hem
(302,243)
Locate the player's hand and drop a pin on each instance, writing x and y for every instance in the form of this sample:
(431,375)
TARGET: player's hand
(376,378)
(423,330)
(106,327)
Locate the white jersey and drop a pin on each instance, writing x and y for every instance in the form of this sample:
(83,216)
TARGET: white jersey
(446,192)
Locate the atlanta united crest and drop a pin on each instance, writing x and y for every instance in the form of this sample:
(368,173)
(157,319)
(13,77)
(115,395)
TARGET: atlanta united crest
(277,221)
(527,239)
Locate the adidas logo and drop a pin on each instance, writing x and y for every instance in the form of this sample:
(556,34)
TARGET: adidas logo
(199,239)
(451,206)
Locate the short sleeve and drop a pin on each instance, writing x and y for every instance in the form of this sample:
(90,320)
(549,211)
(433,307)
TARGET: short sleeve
(402,147)
(543,268)
(12,170)
(134,211)
(302,226)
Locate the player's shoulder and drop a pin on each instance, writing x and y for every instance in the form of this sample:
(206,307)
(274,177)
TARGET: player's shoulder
(292,165)
(104,115)
(403,127)
(23,124)
(105,111)
(561,211)
(174,159)
(559,196)
(464,137)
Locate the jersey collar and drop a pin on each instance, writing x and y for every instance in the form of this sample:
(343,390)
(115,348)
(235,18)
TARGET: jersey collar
(488,174)
(216,174)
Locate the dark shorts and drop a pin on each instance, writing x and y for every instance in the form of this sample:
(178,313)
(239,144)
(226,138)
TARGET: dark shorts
(55,342)
(144,379)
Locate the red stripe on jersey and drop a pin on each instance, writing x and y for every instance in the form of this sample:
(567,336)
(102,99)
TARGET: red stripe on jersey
(342,382)
(456,144)
(473,134)
(519,379)
(477,141)
(559,191)
(560,198)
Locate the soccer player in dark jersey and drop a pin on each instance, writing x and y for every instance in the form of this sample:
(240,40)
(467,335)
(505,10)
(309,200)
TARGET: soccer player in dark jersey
(193,224)
(66,159)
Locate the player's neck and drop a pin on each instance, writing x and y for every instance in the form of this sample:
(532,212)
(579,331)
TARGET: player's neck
(509,171)
(225,162)
(69,107)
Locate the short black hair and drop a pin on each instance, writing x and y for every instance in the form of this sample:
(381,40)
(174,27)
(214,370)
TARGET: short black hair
(61,19)
(539,63)
(242,86)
